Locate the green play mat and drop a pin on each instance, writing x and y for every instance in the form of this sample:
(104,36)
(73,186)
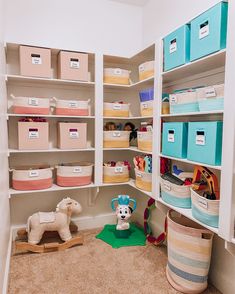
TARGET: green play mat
(135,238)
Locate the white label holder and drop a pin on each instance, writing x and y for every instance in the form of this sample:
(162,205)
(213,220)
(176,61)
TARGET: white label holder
(118,169)
(33,101)
(204,30)
(33,173)
(203,202)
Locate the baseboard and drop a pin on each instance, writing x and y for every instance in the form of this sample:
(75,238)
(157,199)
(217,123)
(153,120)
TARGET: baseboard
(7,265)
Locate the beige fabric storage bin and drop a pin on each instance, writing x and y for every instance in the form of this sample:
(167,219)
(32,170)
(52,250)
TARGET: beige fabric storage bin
(116,109)
(72,107)
(116,139)
(146,108)
(143,180)
(74,174)
(146,70)
(73,66)
(72,135)
(30,105)
(183,102)
(35,62)
(115,174)
(144,141)
(116,76)
(32,178)
(33,135)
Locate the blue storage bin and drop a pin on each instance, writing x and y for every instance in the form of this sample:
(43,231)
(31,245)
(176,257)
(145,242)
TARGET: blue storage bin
(177,48)
(174,139)
(208,31)
(184,101)
(146,95)
(205,142)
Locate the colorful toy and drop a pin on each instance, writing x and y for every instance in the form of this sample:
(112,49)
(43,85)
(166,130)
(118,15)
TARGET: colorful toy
(147,229)
(143,163)
(123,211)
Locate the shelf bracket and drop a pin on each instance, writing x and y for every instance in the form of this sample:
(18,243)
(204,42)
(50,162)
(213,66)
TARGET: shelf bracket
(93,195)
(230,247)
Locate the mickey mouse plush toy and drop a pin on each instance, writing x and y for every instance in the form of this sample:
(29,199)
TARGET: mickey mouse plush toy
(123,211)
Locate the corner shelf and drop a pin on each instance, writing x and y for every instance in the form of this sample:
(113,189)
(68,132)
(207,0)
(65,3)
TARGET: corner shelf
(50,116)
(127,117)
(10,151)
(136,86)
(132,148)
(132,184)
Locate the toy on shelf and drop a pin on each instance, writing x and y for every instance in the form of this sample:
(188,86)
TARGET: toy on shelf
(143,172)
(123,212)
(128,127)
(143,163)
(58,221)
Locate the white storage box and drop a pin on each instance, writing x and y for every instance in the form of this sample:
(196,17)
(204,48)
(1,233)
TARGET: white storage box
(30,105)
(116,139)
(115,174)
(74,174)
(146,108)
(32,178)
(116,76)
(183,102)
(146,70)
(143,180)
(144,141)
(116,109)
(211,98)
(72,107)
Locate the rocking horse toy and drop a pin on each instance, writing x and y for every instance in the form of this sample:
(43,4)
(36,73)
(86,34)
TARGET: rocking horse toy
(51,222)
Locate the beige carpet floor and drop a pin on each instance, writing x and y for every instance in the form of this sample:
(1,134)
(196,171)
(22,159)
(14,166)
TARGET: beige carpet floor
(94,268)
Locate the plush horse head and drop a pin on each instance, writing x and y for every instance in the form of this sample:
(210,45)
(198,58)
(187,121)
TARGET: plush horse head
(69,206)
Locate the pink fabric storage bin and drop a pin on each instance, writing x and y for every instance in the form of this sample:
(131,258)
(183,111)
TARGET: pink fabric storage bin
(32,178)
(33,135)
(73,66)
(35,62)
(72,135)
(74,174)
(72,107)
(30,105)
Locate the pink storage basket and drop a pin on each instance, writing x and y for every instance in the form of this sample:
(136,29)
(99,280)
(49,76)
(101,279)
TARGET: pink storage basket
(74,174)
(72,135)
(32,178)
(72,107)
(31,105)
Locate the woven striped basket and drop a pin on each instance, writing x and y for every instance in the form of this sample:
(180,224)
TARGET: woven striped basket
(143,180)
(116,109)
(189,254)
(144,141)
(116,76)
(146,108)
(30,105)
(146,70)
(116,139)
(115,174)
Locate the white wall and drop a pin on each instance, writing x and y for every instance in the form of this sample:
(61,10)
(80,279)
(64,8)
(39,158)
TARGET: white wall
(90,25)
(158,21)
(4,202)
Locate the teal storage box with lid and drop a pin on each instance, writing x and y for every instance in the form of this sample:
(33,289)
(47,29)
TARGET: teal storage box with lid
(205,142)
(177,48)
(174,139)
(209,31)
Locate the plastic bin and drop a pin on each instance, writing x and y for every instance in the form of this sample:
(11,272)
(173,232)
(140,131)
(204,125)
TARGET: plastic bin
(146,95)
(144,141)
(32,178)
(211,98)
(209,31)
(115,174)
(116,109)
(146,70)
(72,107)
(143,180)
(189,248)
(30,105)
(183,102)
(74,174)
(205,142)
(116,139)
(174,139)
(177,48)
(72,135)
(116,76)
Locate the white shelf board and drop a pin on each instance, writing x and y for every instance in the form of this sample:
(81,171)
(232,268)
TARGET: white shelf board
(54,188)
(116,86)
(193,113)
(204,64)
(136,85)
(49,116)
(10,151)
(114,184)
(127,117)
(132,184)
(188,214)
(115,149)
(46,81)
(218,167)
(233,240)
(132,148)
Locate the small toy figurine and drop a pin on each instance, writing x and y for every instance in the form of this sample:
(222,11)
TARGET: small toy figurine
(123,211)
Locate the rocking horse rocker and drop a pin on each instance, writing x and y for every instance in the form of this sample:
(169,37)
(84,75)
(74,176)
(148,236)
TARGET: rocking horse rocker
(50,223)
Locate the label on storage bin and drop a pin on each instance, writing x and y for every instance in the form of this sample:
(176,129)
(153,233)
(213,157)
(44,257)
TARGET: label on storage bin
(140,135)
(203,202)
(141,68)
(33,173)
(139,175)
(77,169)
(73,104)
(33,101)
(210,92)
(200,138)
(171,136)
(204,30)
(73,134)
(116,134)
(117,71)
(173,99)
(36,59)
(33,134)
(118,169)
(144,105)
(167,186)
(74,63)
(173,46)
(117,106)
